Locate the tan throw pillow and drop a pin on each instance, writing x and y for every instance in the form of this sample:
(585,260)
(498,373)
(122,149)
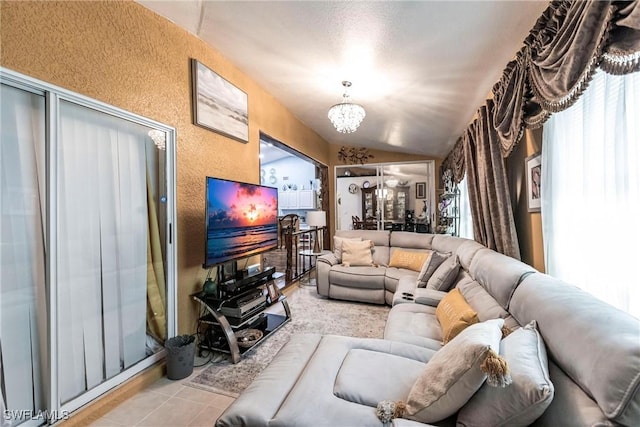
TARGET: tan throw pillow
(411,260)
(454,373)
(445,274)
(357,253)
(430,266)
(337,245)
(454,315)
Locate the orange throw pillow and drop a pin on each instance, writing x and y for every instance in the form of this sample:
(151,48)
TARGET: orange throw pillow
(411,260)
(454,314)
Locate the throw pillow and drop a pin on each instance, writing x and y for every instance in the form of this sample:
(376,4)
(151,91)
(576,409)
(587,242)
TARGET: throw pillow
(357,253)
(528,396)
(454,315)
(430,266)
(454,373)
(445,274)
(337,245)
(411,260)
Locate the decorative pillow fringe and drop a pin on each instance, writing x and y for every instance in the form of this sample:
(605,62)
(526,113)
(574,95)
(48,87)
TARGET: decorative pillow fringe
(505,331)
(388,410)
(496,369)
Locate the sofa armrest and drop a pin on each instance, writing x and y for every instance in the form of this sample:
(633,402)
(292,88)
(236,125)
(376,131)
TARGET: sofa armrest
(323,266)
(428,296)
(328,259)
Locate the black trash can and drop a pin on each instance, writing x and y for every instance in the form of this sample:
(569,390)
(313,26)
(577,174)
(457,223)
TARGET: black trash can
(180,353)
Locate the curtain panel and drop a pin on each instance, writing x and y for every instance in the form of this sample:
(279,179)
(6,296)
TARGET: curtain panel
(559,57)
(489,198)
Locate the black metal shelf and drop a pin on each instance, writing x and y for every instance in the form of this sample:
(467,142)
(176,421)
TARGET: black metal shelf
(220,331)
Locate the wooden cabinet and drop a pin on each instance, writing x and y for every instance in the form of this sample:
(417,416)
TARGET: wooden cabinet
(306,199)
(296,199)
(395,203)
(369,203)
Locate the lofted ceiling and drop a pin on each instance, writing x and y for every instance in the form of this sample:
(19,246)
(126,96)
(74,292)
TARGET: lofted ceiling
(420,69)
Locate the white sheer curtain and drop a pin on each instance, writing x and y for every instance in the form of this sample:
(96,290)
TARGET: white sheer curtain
(466,223)
(102,247)
(23,311)
(591,191)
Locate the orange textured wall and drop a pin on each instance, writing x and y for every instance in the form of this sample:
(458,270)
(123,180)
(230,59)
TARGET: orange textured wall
(528,224)
(126,55)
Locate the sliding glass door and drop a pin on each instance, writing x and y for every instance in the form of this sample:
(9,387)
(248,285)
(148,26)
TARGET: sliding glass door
(23,307)
(87,278)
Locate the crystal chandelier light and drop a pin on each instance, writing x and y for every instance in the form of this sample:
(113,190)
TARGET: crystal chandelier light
(346,117)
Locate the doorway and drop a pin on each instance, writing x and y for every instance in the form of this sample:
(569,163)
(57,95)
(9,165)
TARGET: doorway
(386,196)
(302,188)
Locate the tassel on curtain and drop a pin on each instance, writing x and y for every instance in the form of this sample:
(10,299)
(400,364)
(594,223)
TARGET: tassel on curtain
(554,67)
(156,284)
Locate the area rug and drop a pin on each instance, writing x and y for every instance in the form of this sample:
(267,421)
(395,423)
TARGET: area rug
(310,313)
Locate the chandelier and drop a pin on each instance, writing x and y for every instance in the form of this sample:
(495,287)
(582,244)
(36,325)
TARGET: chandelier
(346,117)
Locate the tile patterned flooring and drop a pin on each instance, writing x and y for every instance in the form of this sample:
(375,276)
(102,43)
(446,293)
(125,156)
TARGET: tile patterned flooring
(168,403)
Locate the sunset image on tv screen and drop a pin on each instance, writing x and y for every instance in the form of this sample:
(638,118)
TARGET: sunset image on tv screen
(242,219)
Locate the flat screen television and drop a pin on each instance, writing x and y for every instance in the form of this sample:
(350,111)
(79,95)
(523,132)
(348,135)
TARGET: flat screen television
(241,220)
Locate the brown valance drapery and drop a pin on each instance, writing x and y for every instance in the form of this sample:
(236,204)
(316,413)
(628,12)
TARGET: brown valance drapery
(559,57)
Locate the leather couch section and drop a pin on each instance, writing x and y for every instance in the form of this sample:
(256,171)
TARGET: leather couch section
(588,338)
(498,274)
(368,377)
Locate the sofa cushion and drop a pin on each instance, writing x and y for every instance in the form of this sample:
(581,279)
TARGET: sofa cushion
(454,315)
(380,239)
(499,274)
(594,343)
(367,377)
(529,394)
(410,240)
(337,245)
(453,373)
(414,324)
(444,276)
(356,253)
(357,277)
(430,265)
(484,304)
(410,260)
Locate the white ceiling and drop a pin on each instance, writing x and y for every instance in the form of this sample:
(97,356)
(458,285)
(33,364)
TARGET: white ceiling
(419,68)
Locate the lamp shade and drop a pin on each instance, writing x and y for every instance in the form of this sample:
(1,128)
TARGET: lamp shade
(317,218)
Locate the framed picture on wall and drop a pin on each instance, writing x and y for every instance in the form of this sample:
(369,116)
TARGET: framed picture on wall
(217,104)
(533,170)
(421,190)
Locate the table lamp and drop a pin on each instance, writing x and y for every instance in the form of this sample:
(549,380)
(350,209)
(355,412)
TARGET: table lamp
(316,219)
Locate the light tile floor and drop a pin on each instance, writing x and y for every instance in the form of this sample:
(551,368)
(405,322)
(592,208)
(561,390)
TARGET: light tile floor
(168,403)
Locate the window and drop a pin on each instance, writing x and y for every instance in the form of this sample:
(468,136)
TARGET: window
(591,191)
(466,222)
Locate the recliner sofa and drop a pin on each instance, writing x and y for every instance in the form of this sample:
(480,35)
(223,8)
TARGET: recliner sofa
(593,349)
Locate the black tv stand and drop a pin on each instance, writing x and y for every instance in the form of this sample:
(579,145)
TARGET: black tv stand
(245,302)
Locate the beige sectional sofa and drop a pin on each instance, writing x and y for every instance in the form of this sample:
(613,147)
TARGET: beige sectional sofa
(590,377)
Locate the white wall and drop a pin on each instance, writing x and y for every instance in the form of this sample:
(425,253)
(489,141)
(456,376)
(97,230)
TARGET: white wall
(290,170)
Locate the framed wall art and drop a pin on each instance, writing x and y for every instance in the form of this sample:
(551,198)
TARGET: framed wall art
(533,170)
(217,104)
(421,190)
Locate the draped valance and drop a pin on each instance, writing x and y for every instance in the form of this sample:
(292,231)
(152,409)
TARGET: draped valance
(567,44)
